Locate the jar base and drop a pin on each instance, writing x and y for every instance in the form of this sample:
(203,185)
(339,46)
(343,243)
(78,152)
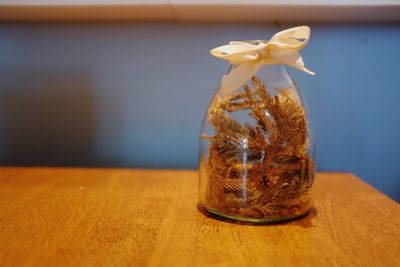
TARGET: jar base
(234,218)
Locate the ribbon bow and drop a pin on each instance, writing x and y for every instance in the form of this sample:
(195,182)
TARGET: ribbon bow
(283,48)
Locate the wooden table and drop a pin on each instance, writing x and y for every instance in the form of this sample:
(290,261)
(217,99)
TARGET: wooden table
(122,217)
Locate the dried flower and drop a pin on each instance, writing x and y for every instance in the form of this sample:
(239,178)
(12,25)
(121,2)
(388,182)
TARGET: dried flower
(275,179)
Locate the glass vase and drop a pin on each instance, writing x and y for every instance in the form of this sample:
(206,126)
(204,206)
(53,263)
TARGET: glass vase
(257,160)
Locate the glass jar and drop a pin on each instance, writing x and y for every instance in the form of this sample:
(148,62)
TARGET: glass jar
(257,160)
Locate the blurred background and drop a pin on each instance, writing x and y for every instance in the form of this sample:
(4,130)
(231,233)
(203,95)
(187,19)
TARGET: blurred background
(119,91)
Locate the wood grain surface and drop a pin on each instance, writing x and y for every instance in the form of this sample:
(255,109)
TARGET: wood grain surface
(123,217)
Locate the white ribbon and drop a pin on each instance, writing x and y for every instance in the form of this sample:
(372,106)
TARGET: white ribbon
(283,48)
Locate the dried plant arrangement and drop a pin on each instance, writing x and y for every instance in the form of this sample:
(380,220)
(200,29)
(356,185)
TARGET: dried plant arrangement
(258,170)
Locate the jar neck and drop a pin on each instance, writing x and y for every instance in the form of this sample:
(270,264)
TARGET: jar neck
(274,76)
(274,72)
(271,70)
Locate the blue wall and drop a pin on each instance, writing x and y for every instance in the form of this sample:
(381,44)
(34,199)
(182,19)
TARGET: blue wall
(121,94)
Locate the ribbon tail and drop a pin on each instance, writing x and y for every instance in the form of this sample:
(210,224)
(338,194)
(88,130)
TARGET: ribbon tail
(238,77)
(291,58)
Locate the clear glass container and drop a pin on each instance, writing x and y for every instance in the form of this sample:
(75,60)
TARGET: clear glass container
(257,159)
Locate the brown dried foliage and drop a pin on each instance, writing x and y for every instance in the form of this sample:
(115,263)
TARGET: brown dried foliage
(274,180)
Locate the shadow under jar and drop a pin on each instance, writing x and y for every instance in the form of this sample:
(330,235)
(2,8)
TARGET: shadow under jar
(257,160)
